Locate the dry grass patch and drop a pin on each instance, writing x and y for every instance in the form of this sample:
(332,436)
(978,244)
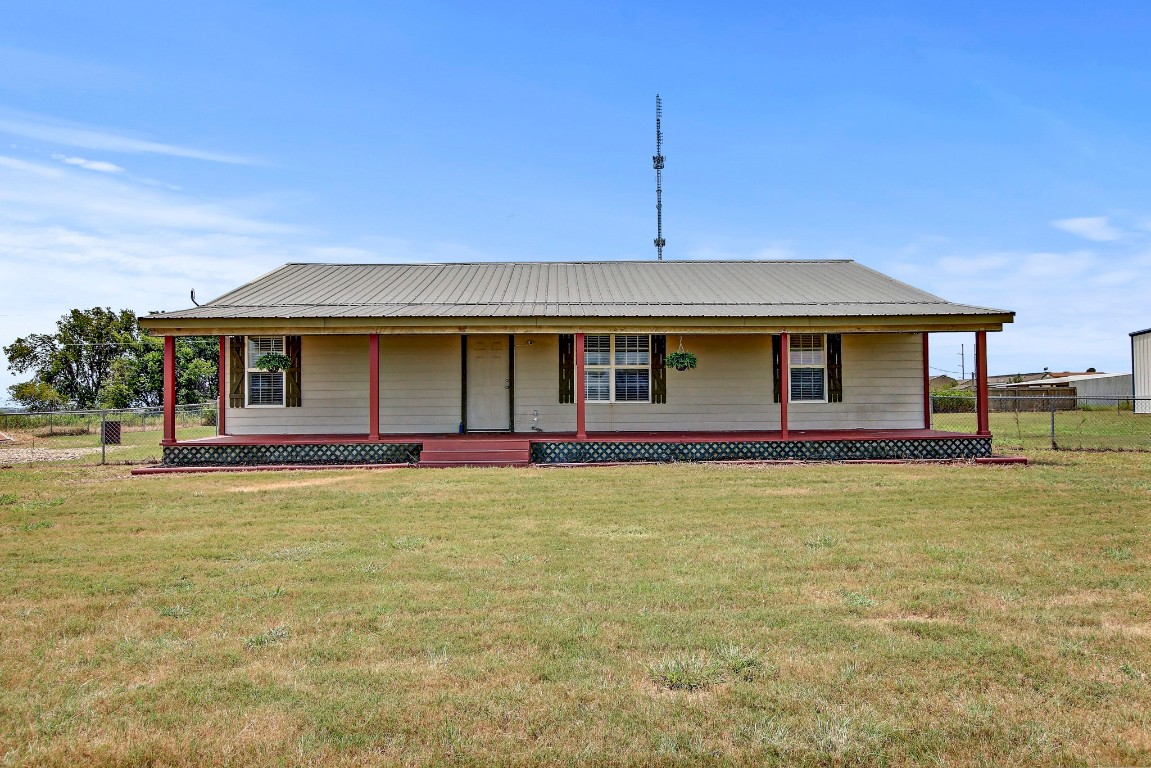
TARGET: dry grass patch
(785,615)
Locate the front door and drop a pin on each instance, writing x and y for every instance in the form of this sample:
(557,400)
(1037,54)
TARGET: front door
(489,383)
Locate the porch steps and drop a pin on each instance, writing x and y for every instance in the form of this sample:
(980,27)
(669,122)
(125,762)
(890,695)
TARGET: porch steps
(476,452)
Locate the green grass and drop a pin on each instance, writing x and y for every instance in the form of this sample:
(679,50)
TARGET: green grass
(1105,429)
(660,615)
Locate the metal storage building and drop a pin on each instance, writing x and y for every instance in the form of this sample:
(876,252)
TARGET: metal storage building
(1141,369)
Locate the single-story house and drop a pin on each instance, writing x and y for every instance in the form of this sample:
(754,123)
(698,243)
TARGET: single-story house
(1141,369)
(558,362)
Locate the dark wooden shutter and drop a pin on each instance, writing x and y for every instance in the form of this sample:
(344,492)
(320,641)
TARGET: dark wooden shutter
(292,393)
(776,365)
(658,368)
(567,367)
(236,372)
(834,368)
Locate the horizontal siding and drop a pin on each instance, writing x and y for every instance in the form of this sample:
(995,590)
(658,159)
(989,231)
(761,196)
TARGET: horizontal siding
(334,387)
(420,383)
(538,384)
(882,386)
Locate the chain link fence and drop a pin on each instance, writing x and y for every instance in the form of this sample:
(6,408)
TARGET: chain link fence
(110,435)
(1055,421)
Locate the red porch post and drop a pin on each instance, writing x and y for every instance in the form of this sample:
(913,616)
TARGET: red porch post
(169,391)
(374,386)
(580,387)
(981,404)
(926,386)
(784,382)
(222,385)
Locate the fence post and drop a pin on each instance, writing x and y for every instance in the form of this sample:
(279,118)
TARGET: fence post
(1051,399)
(103,437)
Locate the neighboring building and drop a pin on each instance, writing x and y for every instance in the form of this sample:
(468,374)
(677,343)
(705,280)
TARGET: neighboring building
(1090,388)
(1141,369)
(572,355)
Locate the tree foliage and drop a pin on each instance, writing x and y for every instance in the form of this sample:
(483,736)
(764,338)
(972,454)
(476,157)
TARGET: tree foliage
(101,358)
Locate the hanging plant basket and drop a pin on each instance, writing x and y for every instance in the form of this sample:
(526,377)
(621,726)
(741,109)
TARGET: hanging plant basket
(273,362)
(680,360)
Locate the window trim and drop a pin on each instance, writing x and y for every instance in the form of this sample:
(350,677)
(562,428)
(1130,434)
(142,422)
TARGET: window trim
(611,367)
(791,398)
(249,369)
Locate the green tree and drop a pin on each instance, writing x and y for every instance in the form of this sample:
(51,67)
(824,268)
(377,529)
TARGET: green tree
(36,396)
(99,357)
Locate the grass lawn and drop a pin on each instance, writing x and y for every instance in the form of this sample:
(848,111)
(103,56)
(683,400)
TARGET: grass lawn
(792,615)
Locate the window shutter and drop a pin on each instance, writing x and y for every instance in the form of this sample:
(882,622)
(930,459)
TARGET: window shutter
(567,368)
(658,368)
(236,372)
(834,368)
(292,393)
(776,364)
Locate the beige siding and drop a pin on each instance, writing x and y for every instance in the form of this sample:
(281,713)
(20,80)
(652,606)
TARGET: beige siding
(1141,366)
(731,389)
(334,386)
(882,386)
(420,383)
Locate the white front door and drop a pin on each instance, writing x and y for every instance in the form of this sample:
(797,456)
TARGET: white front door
(489,383)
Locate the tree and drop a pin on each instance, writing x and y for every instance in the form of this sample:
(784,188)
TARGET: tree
(36,396)
(99,357)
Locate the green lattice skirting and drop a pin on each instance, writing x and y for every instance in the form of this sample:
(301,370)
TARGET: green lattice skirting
(795,450)
(307,453)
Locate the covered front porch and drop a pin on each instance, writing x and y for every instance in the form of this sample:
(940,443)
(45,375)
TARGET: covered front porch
(512,449)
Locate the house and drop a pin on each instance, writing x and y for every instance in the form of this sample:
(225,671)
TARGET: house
(455,363)
(1141,369)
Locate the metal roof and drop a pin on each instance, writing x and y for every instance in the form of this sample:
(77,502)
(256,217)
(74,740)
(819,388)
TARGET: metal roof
(666,289)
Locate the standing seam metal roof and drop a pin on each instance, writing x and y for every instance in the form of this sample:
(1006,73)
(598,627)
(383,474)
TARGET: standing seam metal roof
(591,289)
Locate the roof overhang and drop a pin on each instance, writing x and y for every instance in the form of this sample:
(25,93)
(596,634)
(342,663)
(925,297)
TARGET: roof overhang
(246,326)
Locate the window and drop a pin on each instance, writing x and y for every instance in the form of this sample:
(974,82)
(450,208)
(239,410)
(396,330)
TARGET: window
(617,368)
(807,363)
(264,387)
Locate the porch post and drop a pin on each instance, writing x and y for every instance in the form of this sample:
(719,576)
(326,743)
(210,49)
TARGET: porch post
(981,404)
(926,386)
(580,387)
(784,382)
(169,391)
(373,386)
(222,378)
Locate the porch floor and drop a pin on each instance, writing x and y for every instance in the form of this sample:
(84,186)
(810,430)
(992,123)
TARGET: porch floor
(429,439)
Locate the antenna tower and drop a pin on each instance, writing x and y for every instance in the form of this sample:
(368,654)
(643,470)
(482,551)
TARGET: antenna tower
(657,163)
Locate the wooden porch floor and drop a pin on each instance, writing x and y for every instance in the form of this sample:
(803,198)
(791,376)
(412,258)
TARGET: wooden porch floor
(429,439)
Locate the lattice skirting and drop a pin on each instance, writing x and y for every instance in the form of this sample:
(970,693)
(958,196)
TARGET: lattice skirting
(307,453)
(805,450)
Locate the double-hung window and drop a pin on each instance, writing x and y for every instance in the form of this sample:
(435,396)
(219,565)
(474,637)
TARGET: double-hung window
(617,368)
(264,387)
(807,363)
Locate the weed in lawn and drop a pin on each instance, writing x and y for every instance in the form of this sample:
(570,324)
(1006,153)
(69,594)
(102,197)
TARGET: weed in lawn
(7,499)
(407,542)
(1118,554)
(858,600)
(268,637)
(35,525)
(513,560)
(727,662)
(821,541)
(175,611)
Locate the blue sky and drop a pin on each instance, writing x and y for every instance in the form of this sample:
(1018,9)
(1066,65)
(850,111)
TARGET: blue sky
(994,153)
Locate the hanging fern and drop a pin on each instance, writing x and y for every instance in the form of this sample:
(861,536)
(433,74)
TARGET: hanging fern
(680,360)
(273,362)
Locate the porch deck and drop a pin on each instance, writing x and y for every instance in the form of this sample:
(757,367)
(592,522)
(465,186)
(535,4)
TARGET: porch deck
(503,449)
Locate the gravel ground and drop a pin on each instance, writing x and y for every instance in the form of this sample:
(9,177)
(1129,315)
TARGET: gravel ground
(26,455)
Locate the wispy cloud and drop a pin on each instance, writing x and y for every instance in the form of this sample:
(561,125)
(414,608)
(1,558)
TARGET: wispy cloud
(91,165)
(1097,228)
(52,131)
